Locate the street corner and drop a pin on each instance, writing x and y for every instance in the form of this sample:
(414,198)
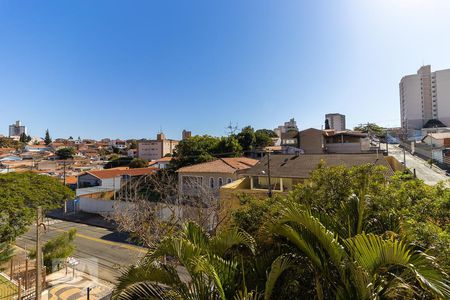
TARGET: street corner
(82,286)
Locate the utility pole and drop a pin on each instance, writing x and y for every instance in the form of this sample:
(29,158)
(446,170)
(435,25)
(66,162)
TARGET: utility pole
(268,175)
(39,223)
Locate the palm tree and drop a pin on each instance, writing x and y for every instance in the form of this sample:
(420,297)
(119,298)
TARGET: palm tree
(190,265)
(363,266)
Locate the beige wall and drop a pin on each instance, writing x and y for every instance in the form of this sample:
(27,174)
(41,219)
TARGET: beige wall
(311,140)
(205,179)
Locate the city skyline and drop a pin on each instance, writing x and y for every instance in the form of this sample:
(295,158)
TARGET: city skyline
(129,72)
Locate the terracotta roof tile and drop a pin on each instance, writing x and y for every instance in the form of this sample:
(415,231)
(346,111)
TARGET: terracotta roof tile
(222,165)
(110,173)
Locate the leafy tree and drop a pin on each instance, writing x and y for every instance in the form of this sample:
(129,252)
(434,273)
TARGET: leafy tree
(58,249)
(371,128)
(116,161)
(116,150)
(247,138)
(138,163)
(211,266)
(20,194)
(6,142)
(23,138)
(6,252)
(194,150)
(29,138)
(327,124)
(47,139)
(66,153)
(263,138)
(228,146)
(364,266)
(133,144)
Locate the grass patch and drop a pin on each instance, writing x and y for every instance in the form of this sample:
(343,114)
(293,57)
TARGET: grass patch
(7,289)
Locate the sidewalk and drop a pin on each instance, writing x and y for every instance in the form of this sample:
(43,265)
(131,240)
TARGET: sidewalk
(67,286)
(83,218)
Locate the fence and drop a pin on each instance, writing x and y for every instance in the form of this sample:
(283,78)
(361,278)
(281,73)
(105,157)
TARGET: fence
(18,280)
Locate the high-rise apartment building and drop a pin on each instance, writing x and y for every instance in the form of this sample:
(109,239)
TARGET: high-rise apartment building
(17,129)
(156,149)
(186,134)
(336,121)
(424,96)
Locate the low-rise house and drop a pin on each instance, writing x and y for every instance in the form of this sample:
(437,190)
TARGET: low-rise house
(346,142)
(286,171)
(107,180)
(311,141)
(161,163)
(37,148)
(208,177)
(438,144)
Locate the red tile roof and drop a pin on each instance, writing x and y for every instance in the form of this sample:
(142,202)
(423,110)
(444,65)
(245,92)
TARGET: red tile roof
(222,165)
(110,173)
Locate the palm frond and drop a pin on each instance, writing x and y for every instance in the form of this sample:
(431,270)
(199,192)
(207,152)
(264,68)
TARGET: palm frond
(279,265)
(227,239)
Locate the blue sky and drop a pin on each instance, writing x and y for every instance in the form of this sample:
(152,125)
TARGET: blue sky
(125,69)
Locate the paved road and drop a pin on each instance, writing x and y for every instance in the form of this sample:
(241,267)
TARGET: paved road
(429,175)
(101,252)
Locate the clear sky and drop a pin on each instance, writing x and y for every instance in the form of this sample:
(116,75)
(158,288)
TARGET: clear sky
(125,69)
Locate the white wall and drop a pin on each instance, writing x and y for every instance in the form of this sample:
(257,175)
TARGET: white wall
(410,96)
(443,95)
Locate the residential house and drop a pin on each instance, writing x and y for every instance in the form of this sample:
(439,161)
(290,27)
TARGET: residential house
(346,141)
(286,171)
(311,141)
(36,148)
(208,177)
(119,144)
(438,145)
(161,163)
(96,181)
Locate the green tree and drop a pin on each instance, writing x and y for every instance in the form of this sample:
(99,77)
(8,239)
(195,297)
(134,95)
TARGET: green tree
(6,252)
(20,194)
(247,138)
(194,150)
(57,250)
(116,161)
(66,153)
(262,138)
(138,163)
(227,147)
(371,128)
(6,142)
(23,138)
(327,124)
(211,264)
(133,144)
(47,139)
(363,266)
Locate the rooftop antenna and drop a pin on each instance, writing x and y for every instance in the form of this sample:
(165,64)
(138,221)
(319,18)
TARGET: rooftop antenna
(232,129)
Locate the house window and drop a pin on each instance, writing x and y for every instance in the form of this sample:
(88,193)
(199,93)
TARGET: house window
(229,180)
(220,181)
(211,182)
(191,183)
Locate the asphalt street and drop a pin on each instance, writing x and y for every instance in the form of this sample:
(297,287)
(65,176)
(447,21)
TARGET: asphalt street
(429,175)
(99,251)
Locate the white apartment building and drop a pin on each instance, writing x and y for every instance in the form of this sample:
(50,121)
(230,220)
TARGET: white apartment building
(156,149)
(424,96)
(336,121)
(291,125)
(17,129)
